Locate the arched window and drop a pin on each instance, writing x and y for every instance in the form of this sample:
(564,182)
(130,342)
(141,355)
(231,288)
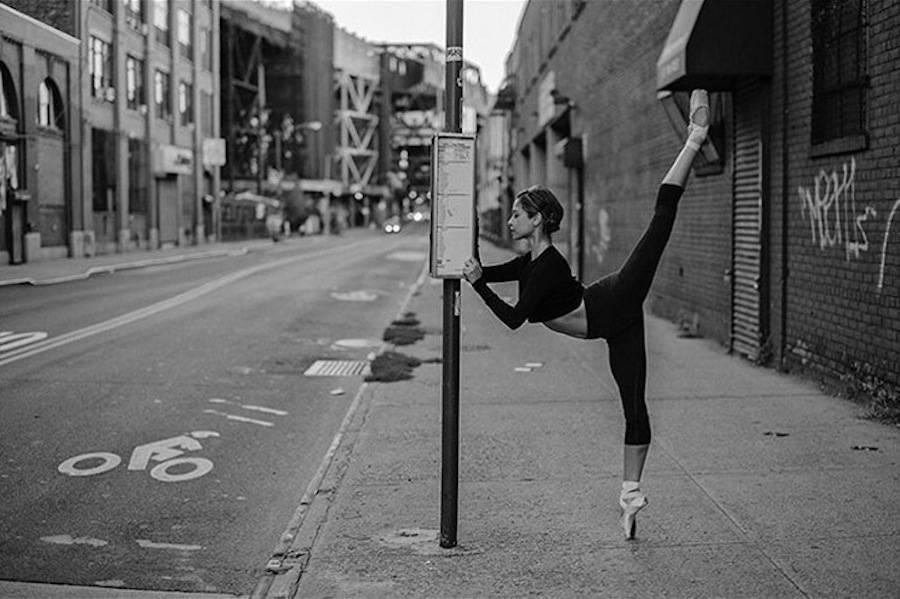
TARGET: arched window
(8,103)
(50,110)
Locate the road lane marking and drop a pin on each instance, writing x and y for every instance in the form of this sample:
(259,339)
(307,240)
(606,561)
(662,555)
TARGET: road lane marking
(252,408)
(355,296)
(238,418)
(68,540)
(10,341)
(182,298)
(174,546)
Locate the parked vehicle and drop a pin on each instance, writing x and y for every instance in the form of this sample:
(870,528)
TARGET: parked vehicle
(392,225)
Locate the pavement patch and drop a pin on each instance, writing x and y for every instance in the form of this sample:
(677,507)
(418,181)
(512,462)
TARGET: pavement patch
(392,366)
(404,331)
(422,541)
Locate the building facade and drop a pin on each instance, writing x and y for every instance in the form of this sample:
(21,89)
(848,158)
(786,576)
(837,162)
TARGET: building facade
(40,179)
(143,143)
(786,248)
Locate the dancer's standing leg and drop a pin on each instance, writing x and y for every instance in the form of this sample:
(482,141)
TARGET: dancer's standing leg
(624,353)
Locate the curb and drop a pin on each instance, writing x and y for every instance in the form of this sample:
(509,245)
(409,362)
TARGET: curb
(281,578)
(111,268)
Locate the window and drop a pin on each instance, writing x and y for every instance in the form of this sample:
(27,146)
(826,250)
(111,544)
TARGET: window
(206,49)
(161,22)
(185,35)
(839,70)
(186,102)
(8,103)
(162,95)
(134,83)
(50,110)
(103,172)
(134,13)
(101,70)
(106,5)
(206,114)
(137,176)
(45,107)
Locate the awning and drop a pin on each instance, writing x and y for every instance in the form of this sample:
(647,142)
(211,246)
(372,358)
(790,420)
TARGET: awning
(713,42)
(249,196)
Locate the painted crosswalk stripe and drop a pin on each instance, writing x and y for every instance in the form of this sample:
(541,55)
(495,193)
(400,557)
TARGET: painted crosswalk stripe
(10,340)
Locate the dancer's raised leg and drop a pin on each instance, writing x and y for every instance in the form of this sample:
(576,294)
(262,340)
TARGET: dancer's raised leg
(638,270)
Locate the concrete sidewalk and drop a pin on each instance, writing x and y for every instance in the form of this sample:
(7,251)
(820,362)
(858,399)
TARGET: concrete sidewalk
(759,484)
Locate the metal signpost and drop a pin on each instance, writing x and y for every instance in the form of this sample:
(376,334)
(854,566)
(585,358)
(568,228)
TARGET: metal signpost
(452,205)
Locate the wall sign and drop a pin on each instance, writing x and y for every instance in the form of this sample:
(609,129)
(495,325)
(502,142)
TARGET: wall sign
(174,160)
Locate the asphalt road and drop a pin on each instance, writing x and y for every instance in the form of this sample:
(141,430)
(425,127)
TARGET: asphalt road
(157,430)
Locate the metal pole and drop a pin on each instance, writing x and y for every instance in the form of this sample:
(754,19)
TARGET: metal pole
(450,386)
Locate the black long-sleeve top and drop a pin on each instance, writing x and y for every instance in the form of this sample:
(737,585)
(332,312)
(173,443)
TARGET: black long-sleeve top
(547,289)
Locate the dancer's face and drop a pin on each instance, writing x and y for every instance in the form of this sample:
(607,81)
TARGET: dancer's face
(520,224)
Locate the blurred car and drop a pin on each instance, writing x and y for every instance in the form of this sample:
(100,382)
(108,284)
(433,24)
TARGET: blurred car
(392,225)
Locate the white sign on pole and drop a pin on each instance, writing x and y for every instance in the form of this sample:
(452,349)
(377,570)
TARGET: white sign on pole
(452,203)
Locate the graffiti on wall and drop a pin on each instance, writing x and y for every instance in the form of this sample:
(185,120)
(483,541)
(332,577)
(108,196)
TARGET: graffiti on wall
(835,220)
(830,205)
(884,245)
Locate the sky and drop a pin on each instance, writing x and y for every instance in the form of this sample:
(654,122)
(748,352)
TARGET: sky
(489,27)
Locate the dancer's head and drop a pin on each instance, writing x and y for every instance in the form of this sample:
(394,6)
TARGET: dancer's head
(540,200)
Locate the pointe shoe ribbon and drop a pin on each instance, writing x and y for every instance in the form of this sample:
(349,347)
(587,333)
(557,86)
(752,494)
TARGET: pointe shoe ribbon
(699,119)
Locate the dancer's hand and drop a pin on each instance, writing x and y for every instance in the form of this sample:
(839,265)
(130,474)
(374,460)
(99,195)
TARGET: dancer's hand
(472,270)
(699,119)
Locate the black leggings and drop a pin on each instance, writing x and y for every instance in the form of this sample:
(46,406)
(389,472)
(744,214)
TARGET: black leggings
(614,307)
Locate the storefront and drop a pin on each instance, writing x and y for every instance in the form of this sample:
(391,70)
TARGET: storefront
(174,169)
(726,48)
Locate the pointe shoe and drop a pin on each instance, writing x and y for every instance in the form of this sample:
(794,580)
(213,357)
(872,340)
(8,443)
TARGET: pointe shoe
(699,119)
(631,504)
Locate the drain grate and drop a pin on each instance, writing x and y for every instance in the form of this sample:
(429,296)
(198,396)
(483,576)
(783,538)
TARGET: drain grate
(338,368)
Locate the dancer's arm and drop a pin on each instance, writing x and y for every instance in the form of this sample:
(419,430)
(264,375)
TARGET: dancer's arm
(697,130)
(501,273)
(532,293)
(511,316)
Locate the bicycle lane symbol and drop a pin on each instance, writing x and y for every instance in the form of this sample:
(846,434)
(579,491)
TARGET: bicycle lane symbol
(171,468)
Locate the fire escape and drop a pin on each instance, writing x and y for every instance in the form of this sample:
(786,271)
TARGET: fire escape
(246,47)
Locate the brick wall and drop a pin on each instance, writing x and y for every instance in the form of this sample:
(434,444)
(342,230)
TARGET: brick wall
(606,64)
(843,240)
(831,221)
